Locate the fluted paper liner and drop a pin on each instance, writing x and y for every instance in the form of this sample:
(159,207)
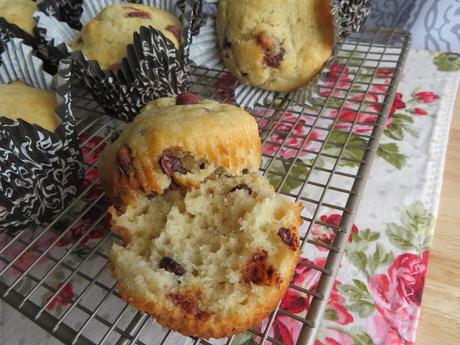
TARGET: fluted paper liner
(153,68)
(39,171)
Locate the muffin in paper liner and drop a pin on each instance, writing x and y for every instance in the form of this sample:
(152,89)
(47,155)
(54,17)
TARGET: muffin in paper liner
(153,67)
(349,16)
(39,170)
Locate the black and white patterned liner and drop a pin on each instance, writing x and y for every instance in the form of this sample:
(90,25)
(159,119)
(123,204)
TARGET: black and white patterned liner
(39,171)
(153,68)
(349,16)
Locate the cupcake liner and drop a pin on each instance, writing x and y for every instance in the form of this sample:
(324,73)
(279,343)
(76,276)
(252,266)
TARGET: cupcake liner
(349,15)
(153,68)
(68,11)
(39,170)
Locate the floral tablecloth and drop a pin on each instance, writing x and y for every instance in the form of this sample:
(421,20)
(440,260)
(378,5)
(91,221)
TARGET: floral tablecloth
(377,295)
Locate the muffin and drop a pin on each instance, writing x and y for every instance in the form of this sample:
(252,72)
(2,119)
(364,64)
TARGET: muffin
(275,45)
(41,165)
(179,141)
(106,37)
(20,13)
(20,101)
(209,262)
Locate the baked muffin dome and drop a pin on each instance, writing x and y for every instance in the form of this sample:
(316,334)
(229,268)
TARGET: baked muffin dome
(169,144)
(209,262)
(106,37)
(20,13)
(275,45)
(18,100)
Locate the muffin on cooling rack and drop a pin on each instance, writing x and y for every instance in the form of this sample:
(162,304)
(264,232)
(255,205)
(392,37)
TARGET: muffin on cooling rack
(275,45)
(179,141)
(209,262)
(19,12)
(106,37)
(40,165)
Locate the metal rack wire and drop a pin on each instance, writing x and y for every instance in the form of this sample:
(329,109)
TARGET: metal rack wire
(316,154)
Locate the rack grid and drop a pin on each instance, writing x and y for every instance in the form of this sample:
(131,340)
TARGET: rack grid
(319,154)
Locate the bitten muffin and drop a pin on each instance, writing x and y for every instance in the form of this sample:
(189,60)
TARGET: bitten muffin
(19,12)
(106,37)
(275,45)
(18,100)
(179,141)
(209,262)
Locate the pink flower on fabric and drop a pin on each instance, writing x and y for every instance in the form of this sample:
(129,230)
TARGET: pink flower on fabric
(325,234)
(225,86)
(77,232)
(297,130)
(365,122)
(287,329)
(64,297)
(420,111)
(397,296)
(426,96)
(384,72)
(338,77)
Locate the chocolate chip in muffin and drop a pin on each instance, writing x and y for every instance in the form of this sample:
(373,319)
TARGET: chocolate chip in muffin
(241,187)
(187,98)
(151,195)
(274,60)
(274,53)
(80,39)
(137,13)
(245,171)
(286,237)
(170,163)
(202,166)
(172,266)
(259,271)
(115,67)
(227,44)
(175,30)
(265,40)
(124,160)
(115,135)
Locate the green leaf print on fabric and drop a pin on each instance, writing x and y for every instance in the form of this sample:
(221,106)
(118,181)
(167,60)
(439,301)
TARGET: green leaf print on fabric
(390,153)
(361,301)
(380,257)
(415,231)
(362,338)
(354,151)
(447,62)
(245,338)
(295,178)
(400,125)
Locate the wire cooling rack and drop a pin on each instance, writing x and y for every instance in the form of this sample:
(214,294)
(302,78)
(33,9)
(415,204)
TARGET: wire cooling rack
(319,154)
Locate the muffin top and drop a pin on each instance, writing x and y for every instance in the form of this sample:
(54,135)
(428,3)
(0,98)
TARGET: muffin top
(18,100)
(105,38)
(19,12)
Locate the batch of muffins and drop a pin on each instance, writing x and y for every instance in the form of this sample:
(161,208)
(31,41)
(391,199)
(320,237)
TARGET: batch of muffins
(209,247)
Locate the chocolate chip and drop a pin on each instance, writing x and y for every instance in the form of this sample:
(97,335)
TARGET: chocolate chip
(115,135)
(202,166)
(245,171)
(80,39)
(172,266)
(124,160)
(175,30)
(241,186)
(136,13)
(115,67)
(151,195)
(187,98)
(286,237)
(170,163)
(227,44)
(244,74)
(265,40)
(274,60)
